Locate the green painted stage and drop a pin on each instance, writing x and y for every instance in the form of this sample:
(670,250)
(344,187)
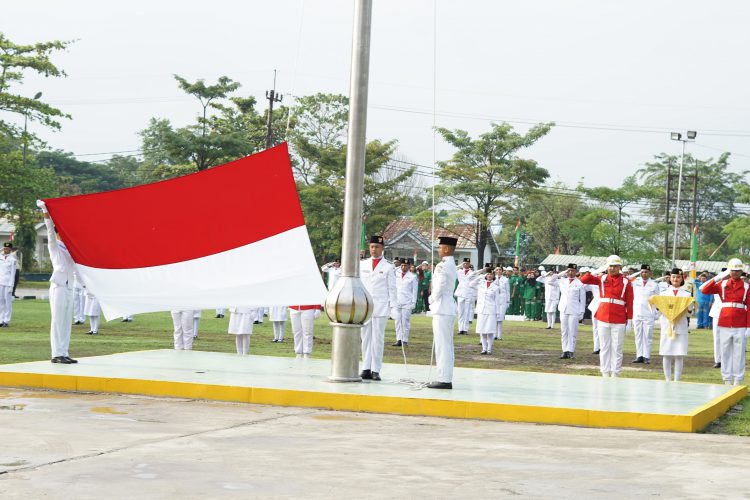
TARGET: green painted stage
(483,394)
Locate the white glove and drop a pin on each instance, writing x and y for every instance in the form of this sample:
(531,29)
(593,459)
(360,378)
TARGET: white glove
(721,275)
(602,269)
(628,326)
(42,206)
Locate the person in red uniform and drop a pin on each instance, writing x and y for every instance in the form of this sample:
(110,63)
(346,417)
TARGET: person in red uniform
(615,313)
(733,319)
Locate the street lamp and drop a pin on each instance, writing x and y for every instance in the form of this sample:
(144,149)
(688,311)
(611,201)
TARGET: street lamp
(676,136)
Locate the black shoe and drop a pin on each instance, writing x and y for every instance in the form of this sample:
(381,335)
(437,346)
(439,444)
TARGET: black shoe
(564,355)
(57,359)
(397,344)
(2,325)
(639,359)
(440,385)
(275,340)
(571,355)
(596,352)
(366,375)
(89,332)
(405,343)
(125,320)
(717,365)
(256,322)
(217,316)
(483,352)
(375,376)
(548,328)
(66,361)
(647,361)
(71,360)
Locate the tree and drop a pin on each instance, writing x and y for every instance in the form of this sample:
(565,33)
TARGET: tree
(718,192)
(14,61)
(20,187)
(485,177)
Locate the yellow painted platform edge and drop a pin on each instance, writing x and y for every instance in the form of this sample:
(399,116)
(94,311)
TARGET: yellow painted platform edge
(707,413)
(376,404)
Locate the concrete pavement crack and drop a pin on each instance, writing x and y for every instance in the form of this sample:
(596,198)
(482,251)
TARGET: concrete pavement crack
(154,441)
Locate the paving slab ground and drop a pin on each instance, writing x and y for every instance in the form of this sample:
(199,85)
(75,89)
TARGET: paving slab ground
(72,445)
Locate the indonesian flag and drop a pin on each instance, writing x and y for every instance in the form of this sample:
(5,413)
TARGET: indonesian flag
(232,235)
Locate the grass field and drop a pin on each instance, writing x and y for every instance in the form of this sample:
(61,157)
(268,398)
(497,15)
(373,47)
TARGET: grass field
(525,346)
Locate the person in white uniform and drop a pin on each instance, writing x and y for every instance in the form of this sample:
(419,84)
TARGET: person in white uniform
(572,306)
(79,302)
(277,317)
(60,292)
(241,321)
(303,322)
(332,271)
(593,306)
(8,264)
(673,350)
(504,284)
(183,329)
(379,278)
(551,295)
(443,311)
(488,305)
(465,296)
(93,310)
(406,299)
(643,316)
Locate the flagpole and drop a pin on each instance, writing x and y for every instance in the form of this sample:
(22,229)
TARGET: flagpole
(348,305)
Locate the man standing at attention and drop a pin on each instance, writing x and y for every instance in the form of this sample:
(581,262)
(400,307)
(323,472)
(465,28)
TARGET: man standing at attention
(379,278)
(443,311)
(60,292)
(615,313)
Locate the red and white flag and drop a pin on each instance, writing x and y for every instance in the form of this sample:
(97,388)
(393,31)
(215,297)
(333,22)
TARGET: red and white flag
(232,235)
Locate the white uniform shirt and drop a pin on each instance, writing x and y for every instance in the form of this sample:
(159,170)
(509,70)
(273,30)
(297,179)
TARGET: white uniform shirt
(333,274)
(381,283)
(641,293)
(572,297)
(465,278)
(488,298)
(406,289)
(443,282)
(504,284)
(594,304)
(63,267)
(8,265)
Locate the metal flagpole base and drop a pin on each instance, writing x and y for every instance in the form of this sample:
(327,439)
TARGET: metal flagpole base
(345,348)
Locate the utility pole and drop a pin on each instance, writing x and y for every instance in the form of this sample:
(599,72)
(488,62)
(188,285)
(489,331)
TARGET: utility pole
(272,97)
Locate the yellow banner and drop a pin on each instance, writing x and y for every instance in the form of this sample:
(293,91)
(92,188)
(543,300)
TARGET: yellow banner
(673,308)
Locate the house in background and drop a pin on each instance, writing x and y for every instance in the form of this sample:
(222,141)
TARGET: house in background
(7,229)
(404,237)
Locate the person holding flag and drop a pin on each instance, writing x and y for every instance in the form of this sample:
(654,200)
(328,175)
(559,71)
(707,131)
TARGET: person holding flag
(673,339)
(733,319)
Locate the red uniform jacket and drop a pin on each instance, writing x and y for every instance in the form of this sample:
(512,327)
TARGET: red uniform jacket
(733,292)
(620,310)
(304,308)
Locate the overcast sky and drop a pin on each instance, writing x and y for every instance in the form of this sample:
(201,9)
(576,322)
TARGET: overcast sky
(615,76)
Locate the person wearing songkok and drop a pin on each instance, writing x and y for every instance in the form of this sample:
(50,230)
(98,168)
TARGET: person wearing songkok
(443,311)
(643,316)
(379,278)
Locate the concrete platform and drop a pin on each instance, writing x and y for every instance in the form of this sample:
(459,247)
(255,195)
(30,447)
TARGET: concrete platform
(478,394)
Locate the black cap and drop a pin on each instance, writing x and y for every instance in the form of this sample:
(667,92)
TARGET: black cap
(723,269)
(572,266)
(397,258)
(645,267)
(377,239)
(488,264)
(8,244)
(466,259)
(676,270)
(447,240)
